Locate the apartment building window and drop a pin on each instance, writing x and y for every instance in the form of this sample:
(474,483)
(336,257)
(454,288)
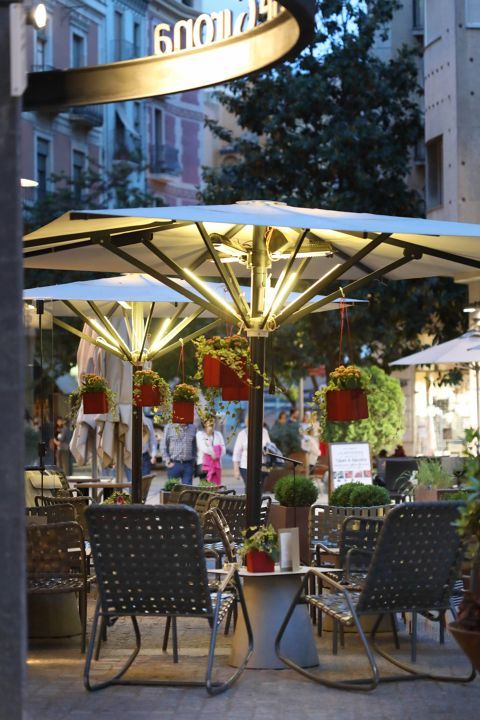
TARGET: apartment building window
(79,160)
(472,13)
(418,14)
(137,45)
(158,127)
(433,22)
(78,50)
(435,173)
(118,39)
(43,165)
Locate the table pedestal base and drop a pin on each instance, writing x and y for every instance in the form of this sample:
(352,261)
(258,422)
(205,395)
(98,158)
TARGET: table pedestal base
(53,616)
(268,598)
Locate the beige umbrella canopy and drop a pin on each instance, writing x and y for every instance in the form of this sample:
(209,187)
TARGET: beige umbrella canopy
(273,244)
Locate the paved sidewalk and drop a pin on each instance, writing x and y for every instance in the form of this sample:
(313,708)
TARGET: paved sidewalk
(55,689)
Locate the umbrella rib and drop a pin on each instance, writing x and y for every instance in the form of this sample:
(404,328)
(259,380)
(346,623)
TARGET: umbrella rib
(88,338)
(178,328)
(146,330)
(144,268)
(355,285)
(185,340)
(328,279)
(110,328)
(227,276)
(102,332)
(189,277)
(285,273)
(441,254)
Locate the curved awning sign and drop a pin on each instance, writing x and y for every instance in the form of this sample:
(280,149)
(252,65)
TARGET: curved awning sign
(191,54)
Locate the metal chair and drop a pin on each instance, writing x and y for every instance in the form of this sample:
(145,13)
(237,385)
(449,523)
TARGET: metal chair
(64,512)
(56,563)
(80,504)
(150,562)
(413,569)
(234,511)
(146,485)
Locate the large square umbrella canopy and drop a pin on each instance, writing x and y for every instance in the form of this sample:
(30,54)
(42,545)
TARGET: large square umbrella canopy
(274,245)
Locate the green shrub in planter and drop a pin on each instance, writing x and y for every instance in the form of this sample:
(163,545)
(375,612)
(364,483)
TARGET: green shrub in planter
(340,497)
(299,491)
(369,495)
(356,494)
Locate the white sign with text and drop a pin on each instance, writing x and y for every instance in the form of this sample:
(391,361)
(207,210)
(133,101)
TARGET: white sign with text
(349,462)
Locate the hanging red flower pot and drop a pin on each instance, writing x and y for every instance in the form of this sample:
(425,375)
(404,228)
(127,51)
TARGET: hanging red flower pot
(346,405)
(235,394)
(211,371)
(259,561)
(95,403)
(183,412)
(146,395)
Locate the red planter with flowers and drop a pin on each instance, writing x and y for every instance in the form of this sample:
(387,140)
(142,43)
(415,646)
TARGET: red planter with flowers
(235,394)
(346,405)
(95,403)
(183,412)
(258,561)
(234,387)
(212,368)
(146,395)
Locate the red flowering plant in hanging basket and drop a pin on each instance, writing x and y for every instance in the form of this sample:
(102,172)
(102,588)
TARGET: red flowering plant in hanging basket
(149,389)
(222,362)
(185,397)
(344,398)
(95,394)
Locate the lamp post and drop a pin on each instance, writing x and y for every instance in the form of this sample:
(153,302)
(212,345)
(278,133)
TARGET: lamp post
(12,513)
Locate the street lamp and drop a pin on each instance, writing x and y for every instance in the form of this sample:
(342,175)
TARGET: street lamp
(37,16)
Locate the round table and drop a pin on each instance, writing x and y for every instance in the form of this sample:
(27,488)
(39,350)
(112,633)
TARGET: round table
(268,597)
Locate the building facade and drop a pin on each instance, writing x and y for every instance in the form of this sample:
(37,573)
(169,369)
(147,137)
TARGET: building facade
(160,137)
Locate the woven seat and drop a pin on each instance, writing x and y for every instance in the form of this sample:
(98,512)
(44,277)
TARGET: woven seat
(413,569)
(56,563)
(150,562)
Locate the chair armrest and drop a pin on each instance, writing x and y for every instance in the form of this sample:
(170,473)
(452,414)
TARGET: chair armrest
(348,558)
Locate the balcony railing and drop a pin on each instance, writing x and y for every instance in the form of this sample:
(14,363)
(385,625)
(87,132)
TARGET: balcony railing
(123,50)
(88,116)
(163,159)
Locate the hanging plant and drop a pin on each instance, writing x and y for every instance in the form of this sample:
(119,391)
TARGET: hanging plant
(222,361)
(185,397)
(149,389)
(96,395)
(344,398)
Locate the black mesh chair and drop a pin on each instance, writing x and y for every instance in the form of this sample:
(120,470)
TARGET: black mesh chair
(413,569)
(150,562)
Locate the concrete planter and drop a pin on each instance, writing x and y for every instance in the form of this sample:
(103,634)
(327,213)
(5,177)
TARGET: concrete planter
(287,517)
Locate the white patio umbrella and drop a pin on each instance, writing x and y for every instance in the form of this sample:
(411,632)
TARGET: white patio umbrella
(118,313)
(272,244)
(463,350)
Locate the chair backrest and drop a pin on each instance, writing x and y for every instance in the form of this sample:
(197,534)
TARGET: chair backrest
(149,560)
(416,561)
(79,504)
(63,512)
(399,468)
(215,519)
(361,533)
(265,510)
(234,508)
(146,485)
(325,521)
(56,549)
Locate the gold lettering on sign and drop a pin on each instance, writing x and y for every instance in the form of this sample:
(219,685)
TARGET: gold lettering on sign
(208,29)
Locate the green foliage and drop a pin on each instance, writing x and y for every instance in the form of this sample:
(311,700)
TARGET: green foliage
(340,497)
(331,129)
(118,498)
(369,496)
(264,539)
(171,483)
(355,494)
(469,520)
(385,425)
(431,474)
(298,491)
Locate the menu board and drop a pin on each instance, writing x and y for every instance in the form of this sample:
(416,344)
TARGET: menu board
(349,462)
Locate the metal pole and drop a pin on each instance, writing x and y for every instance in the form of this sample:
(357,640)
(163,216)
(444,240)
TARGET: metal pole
(137,442)
(12,513)
(260,264)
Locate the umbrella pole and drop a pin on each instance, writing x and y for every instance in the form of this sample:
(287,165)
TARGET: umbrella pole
(137,430)
(477,372)
(260,264)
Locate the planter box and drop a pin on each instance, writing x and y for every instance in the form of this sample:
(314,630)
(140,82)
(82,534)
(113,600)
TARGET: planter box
(258,561)
(469,641)
(211,371)
(95,403)
(235,394)
(287,517)
(426,494)
(233,387)
(148,396)
(183,412)
(346,405)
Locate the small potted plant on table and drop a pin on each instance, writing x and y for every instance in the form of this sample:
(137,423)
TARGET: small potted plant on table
(185,397)
(97,397)
(260,549)
(344,398)
(149,389)
(118,498)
